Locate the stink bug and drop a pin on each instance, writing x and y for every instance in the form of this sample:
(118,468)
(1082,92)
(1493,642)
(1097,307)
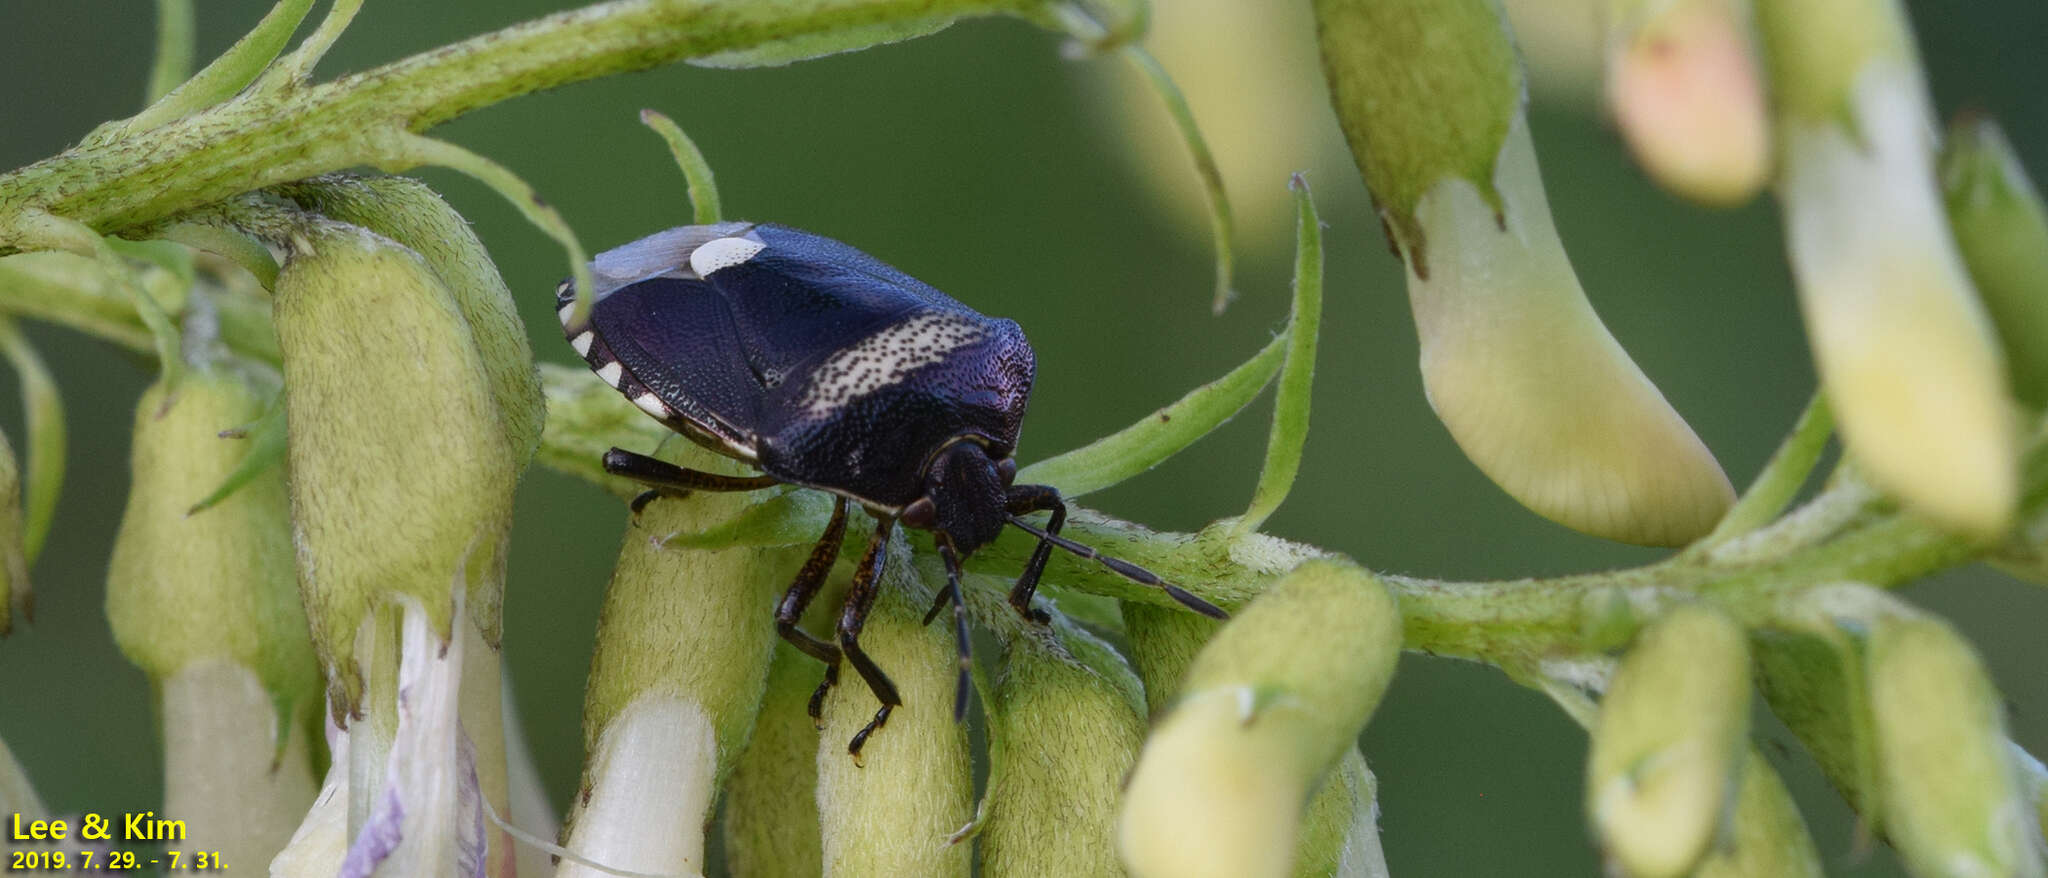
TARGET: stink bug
(823,367)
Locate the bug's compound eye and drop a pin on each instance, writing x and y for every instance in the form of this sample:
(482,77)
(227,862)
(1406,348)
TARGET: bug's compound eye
(1006,469)
(920,514)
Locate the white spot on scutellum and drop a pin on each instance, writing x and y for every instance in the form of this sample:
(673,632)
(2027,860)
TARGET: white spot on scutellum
(565,311)
(723,253)
(651,404)
(885,358)
(611,373)
(582,343)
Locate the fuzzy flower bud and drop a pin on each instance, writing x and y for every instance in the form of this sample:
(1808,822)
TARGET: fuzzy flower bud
(1270,705)
(893,811)
(207,604)
(1905,349)
(401,474)
(2002,229)
(1065,724)
(1952,804)
(771,803)
(682,655)
(1669,743)
(1514,360)
(1683,85)
(406,211)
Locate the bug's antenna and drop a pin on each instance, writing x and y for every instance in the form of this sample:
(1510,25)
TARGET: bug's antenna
(1125,569)
(960,635)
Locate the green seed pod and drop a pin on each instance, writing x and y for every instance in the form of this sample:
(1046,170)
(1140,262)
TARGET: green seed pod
(892,811)
(1270,705)
(401,471)
(1952,803)
(207,604)
(1766,837)
(1065,724)
(682,657)
(771,803)
(405,210)
(1669,742)
(15,593)
(2002,230)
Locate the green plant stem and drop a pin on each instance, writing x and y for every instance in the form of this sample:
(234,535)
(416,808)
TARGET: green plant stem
(290,131)
(1781,477)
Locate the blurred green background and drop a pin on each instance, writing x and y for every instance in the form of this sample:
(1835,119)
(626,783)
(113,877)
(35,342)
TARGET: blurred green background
(1028,186)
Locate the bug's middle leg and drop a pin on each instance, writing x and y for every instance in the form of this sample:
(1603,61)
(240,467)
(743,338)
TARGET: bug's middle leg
(860,598)
(805,587)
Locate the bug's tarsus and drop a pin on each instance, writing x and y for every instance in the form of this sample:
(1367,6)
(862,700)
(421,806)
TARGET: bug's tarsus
(1023,500)
(860,598)
(1123,568)
(640,502)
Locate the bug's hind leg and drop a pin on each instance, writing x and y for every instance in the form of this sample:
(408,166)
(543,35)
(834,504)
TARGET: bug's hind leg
(805,587)
(860,599)
(668,480)
(1025,499)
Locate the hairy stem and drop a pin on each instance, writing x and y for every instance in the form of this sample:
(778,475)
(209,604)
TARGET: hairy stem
(293,130)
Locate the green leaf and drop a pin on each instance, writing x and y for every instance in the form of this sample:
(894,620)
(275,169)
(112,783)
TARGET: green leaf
(1291,400)
(174,47)
(789,50)
(222,79)
(45,409)
(1160,435)
(704,206)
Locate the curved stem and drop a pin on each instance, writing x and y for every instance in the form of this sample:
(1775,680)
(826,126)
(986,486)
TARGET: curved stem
(289,131)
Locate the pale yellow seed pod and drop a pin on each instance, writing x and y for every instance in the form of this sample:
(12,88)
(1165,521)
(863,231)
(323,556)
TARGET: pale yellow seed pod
(1065,725)
(894,810)
(1766,837)
(683,646)
(1340,828)
(1529,381)
(207,604)
(1905,348)
(15,592)
(1684,86)
(1952,804)
(401,471)
(1668,746)
(1270,705)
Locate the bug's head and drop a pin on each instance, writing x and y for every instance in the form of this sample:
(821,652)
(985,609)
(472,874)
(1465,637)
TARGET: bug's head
(964,495)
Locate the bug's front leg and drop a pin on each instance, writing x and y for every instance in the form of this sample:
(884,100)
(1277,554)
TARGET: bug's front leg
(668,480)
(1023,500)
(801,591)
(860,598)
